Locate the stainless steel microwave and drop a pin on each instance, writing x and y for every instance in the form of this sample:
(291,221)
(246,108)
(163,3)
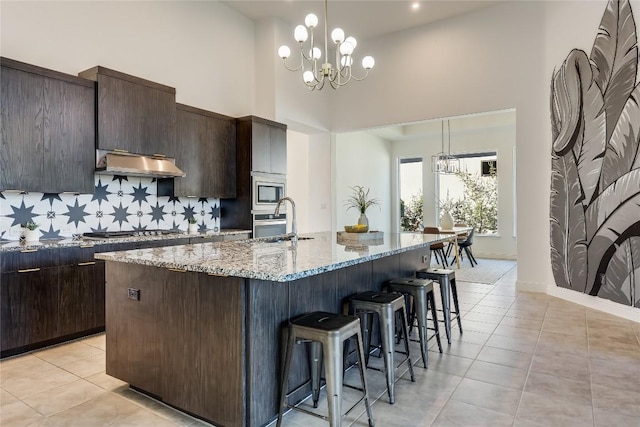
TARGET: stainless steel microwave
(267,189)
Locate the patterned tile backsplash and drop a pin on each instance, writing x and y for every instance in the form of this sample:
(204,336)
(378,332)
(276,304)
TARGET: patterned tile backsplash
(119,203)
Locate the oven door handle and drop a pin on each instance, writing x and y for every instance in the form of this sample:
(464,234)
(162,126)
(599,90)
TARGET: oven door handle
(269,221)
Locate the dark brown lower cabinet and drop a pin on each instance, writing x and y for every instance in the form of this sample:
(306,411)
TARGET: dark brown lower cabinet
(81,297)
(29,307)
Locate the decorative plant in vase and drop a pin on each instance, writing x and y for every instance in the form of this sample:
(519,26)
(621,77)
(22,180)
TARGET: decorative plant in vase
(193,226)
(31,232)
(447,206)
(360,200)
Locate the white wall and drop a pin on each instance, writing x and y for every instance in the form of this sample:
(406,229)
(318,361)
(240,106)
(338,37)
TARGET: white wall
(203,49)
(365,160)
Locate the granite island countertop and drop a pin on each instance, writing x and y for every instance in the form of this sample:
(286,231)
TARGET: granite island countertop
(15,245)
(280,261)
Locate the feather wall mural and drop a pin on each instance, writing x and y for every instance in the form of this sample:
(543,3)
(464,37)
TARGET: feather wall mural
(595,164)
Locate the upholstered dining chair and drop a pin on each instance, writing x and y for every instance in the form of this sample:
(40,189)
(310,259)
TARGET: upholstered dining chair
(437,248)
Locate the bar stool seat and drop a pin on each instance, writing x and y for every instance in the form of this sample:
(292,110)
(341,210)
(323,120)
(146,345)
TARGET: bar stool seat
(447,280)
(421,291)
(326,333)
(385,305)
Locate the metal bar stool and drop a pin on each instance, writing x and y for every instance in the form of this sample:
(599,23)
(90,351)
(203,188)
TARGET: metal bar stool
(447,280)
(326,333)
(421,291)
(385,305)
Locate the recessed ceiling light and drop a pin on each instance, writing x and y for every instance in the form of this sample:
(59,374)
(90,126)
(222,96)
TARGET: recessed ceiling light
(415,5)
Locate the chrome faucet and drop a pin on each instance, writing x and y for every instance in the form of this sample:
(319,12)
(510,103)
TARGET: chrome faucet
(294,228)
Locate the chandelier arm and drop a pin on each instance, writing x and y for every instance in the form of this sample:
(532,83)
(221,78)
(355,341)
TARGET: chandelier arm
(359,79)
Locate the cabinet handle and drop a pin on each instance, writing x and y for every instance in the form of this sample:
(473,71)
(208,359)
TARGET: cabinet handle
(178,270)
(218,275)
(29,270)
(87,263)
(159,155)
(120,150)
(28,250)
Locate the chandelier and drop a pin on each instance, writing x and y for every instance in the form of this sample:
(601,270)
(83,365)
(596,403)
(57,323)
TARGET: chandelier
(315,70)
(445,163)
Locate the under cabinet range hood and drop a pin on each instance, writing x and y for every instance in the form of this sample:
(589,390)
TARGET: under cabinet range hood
(123,163)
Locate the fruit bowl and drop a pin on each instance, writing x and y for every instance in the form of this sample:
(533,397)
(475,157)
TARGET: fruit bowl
(359,228)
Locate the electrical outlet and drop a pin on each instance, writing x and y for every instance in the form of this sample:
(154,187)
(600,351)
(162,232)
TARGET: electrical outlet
(425,259)
(323,206)
(134,294)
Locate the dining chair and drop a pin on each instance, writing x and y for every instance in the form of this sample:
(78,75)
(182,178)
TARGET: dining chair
(437,248)
(466,246)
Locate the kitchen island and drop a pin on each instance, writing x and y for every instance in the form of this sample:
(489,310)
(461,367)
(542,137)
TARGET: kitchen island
(199,326)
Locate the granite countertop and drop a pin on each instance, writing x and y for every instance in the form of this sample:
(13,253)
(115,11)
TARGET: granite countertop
(11,246)
(274,261)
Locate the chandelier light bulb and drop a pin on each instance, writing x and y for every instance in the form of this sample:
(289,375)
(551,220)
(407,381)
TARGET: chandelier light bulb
(337,35)
(316,53)
(307,76)
(346,48)
(311,20)
(284,52)
(368,62)
(346,61)
(300,34)
(351,40)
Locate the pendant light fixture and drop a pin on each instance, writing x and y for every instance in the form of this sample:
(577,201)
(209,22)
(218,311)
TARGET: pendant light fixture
(314,63)
(444,162)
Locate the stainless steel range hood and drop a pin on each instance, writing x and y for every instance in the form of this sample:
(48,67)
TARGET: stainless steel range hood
(122,163)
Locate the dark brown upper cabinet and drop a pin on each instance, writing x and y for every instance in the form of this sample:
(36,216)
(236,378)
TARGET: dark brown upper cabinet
(264,142)
(48,130)
(207,153)
(134,115)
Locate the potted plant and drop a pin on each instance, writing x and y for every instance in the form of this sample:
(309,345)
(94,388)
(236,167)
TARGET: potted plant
(30,232)
(360,200)
(193,226)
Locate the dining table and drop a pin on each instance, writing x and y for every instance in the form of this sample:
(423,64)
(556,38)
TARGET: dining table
(455,232)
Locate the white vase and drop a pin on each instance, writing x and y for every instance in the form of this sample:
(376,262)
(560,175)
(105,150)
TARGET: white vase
(193,228)
(31,235)
(363,220)
(446,221)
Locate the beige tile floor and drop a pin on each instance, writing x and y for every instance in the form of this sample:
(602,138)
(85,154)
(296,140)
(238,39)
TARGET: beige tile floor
(524,359)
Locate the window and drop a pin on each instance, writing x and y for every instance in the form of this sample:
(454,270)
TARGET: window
(471,195)
(410,177)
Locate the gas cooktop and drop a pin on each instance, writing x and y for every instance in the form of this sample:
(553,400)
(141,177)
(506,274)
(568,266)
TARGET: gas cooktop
(136,233)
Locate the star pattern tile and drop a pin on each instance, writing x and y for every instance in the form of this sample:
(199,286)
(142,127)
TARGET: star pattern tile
(22,214)
(76,213)
(101,194)
(140,194)
(63,215)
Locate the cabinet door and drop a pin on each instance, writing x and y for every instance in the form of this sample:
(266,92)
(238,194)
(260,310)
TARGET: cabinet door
(260,147)
(81,297)
(180,356)
(120,121)
(69,137)
(21,152)
(222,170)
(134,117)
(191,131)
(278,147)
(29,307)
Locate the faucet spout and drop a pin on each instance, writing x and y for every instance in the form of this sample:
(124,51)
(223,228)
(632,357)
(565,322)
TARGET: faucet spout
(294,227)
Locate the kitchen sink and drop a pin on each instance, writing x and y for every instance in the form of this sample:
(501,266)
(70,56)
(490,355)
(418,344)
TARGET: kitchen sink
(279,239)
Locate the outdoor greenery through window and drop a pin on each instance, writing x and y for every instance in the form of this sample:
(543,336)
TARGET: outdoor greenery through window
(470,196)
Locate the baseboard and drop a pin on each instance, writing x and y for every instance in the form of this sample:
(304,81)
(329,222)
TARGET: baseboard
(485,255)
(530,287)
(600,304)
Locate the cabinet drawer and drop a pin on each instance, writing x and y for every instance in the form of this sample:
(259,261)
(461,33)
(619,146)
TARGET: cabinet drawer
(29,259)
(76,255)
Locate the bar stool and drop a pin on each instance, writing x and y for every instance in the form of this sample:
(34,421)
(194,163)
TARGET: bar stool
(421,291)
(447,280)
(385,305)
(326,333)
